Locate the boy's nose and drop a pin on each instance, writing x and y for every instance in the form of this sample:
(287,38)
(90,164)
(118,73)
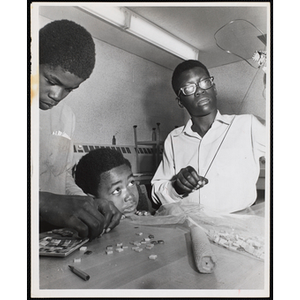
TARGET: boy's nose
(199,91)
(127,197)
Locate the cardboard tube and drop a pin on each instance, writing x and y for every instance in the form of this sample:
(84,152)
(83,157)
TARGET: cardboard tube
(204,257)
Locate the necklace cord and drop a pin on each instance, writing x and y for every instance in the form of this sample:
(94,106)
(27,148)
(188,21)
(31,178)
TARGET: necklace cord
(219,147)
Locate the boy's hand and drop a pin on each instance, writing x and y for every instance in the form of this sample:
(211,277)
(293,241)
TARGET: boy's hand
(187,180)
(76,212)
(111,214)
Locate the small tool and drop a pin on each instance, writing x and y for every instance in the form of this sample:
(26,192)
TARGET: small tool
(80,273)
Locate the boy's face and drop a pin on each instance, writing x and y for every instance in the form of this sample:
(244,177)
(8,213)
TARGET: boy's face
(55,85)
(202,102)
(118,185)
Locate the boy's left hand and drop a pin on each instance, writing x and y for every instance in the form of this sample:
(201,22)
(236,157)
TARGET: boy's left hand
(111,214)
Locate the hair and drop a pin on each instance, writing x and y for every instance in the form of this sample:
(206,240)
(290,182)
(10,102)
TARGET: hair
(92,165)
(68,45)
(184,66)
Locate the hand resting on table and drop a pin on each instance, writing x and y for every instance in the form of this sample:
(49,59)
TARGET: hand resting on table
(84,214)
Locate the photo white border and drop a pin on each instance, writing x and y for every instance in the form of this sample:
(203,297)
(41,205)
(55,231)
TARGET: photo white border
(103,293)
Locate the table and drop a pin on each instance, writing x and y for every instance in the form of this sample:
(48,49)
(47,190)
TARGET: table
(174,267)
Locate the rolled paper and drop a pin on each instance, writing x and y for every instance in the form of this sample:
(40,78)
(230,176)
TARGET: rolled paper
(204,257)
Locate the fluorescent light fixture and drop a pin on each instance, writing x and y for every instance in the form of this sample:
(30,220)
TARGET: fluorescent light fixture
(144,29)
(161,38)
(112,14)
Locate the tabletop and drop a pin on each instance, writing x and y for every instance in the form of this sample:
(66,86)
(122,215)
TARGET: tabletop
(173,268)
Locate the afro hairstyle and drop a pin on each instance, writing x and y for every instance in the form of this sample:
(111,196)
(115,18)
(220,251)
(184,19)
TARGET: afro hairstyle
(184,66)
(90,167)
(68,45)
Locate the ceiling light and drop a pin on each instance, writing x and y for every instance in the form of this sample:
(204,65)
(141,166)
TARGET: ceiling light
(161,38)
(112,14)
(144,29)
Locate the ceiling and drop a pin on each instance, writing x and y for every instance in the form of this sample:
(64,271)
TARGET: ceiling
(196,25)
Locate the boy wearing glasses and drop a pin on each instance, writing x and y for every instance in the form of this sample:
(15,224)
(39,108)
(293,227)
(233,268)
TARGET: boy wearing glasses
(214,159)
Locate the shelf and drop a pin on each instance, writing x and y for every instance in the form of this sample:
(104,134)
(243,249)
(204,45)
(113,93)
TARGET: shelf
(156,147)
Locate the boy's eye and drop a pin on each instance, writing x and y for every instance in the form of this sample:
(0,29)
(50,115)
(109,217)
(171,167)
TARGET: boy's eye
(189,88)
(132,182)
(50,81)
(68,90)
(116,191)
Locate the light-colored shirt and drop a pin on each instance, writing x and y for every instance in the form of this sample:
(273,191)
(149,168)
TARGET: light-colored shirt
(234,170)
(57,127)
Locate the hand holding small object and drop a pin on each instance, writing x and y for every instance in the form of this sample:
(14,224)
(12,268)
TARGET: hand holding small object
(188,180)
(69,211)
(111,214)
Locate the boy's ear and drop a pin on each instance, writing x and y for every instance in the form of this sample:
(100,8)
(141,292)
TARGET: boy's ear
(179,102)
(215,89)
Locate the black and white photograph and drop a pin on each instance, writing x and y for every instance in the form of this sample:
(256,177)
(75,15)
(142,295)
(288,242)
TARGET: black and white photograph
(150,149)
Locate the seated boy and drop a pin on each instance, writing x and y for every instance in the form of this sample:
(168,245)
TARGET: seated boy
(105,174)
(214,159)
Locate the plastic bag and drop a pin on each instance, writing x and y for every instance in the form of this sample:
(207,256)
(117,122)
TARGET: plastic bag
(241,233)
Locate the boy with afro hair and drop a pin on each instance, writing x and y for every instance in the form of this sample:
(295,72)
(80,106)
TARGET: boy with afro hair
(66,59)
(105,174)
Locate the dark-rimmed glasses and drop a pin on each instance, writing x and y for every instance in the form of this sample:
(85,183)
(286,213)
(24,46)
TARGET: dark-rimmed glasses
(204,84)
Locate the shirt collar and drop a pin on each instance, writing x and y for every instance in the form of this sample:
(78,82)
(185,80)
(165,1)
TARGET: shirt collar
(223,118)
(219,118)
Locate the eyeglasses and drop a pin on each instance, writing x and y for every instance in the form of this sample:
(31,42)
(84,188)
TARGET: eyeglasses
(204,84)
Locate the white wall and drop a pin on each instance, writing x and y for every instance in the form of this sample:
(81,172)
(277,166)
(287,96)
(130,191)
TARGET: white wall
(124,90)
(240,89)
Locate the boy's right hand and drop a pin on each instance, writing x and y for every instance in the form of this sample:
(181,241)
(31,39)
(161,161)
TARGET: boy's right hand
(187,180)
(81,213)
(111,214)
